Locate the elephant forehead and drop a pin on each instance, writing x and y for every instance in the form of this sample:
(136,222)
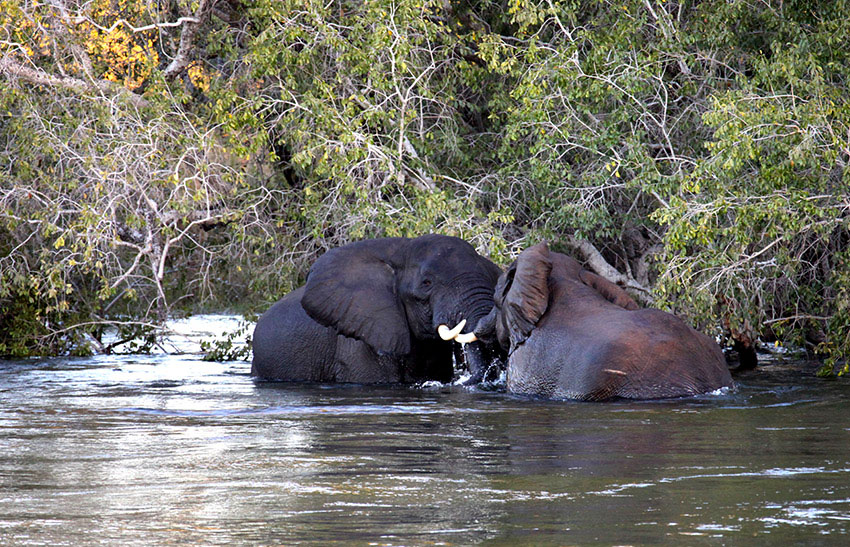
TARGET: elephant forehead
(447,260)
(433,245)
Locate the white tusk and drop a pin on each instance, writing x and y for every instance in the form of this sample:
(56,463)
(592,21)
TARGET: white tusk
(450,334)
(466,338)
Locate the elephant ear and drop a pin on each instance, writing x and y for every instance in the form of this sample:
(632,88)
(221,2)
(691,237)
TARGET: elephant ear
(503,284)
(527,297)
(611,292)
(354,290)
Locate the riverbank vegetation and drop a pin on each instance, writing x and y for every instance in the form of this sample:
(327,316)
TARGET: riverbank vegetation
(158,158)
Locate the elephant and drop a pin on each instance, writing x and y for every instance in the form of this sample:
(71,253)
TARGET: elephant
(378,311)
(572,334)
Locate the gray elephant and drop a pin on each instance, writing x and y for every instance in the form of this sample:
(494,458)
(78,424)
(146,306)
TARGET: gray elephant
(379,311)
(572,334)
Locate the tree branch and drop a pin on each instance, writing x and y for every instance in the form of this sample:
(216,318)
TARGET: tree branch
(601,266)
(135,30)
(423,180)
(187,40)
(38,77)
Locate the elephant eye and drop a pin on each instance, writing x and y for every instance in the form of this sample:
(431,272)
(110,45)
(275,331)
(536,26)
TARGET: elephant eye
(426,282)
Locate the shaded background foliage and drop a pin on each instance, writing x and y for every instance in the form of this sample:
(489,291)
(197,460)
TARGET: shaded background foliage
(169,157)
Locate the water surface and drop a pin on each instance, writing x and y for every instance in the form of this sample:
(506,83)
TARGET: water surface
(130,450)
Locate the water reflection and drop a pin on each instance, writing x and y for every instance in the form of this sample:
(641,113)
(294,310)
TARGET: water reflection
(170,449)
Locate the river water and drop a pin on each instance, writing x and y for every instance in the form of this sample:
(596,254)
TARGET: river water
(165,449)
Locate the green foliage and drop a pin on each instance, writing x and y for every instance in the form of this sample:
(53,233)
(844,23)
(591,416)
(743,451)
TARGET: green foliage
(134,338)
(761,218)
(701,148)
(109,208)
(230,347)
(365,102)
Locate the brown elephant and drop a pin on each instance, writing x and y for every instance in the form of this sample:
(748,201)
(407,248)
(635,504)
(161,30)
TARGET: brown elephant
(572,334)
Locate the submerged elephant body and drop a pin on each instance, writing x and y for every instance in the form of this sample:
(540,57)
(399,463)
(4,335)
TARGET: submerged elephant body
(370,313)
(310,352)
(575,335)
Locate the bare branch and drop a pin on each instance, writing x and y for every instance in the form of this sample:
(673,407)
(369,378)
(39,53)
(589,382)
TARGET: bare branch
(187,40)
(38,77)
(601,266)
(135,30)
(423,179)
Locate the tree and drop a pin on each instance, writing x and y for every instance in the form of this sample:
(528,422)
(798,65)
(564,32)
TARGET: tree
(108,196)
(695,153)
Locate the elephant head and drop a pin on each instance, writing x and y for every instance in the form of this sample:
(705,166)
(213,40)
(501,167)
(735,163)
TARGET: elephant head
(523,292)
(521,297)
(394,292)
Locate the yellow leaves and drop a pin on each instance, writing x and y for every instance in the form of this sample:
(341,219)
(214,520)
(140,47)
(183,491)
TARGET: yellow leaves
(125,56)
(199,77)
(613,166)
(23,30)
(59,243)
(516,5)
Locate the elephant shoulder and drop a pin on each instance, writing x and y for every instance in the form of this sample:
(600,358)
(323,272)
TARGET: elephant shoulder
(288,345)
(283,313)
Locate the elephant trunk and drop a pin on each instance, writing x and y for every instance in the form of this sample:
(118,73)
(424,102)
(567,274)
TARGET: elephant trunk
(473,353)
(485,329)
(479,303)
(470,310)
(457,313)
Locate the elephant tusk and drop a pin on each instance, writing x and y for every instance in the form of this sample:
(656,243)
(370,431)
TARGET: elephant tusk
(466,338)
(449,334)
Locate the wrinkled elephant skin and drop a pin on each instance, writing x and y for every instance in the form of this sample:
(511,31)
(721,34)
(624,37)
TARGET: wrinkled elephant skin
(572,334)
(370,312)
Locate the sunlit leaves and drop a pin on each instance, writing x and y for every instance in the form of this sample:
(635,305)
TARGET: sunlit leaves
(708,139)
(765,209)
(365,100)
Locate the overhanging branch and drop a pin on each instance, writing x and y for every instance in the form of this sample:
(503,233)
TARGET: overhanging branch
(38,77)
(601,266)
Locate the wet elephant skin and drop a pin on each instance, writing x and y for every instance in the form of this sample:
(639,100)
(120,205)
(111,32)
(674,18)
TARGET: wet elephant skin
(572,334)
(369,313)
